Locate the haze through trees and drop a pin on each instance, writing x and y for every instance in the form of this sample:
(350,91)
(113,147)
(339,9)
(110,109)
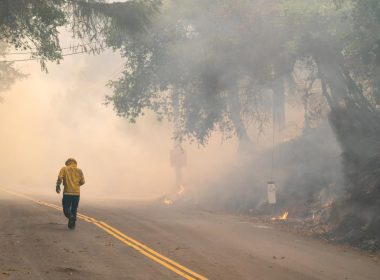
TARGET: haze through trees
(222,65)
(216,65)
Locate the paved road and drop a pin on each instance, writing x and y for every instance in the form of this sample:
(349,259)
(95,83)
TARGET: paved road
(36,244)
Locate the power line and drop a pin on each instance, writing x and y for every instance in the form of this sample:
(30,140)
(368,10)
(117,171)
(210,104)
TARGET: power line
(32,52)
(30,59)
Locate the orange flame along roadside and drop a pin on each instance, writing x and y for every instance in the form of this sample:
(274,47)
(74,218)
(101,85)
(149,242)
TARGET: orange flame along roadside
(284,216)
(180,193)
(168,201)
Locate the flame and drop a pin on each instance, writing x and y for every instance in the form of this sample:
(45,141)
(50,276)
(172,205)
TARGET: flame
(168,201)
(181,190)
(175,197)
(282,217)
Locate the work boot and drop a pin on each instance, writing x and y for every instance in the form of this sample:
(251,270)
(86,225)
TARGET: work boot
(71,224)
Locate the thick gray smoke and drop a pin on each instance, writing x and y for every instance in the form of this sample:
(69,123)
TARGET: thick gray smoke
(46,118)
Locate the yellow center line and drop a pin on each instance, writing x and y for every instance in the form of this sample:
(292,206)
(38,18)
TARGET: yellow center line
(153,252)
(140,247)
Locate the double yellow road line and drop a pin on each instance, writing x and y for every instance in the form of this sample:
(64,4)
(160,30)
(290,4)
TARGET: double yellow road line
(129,241)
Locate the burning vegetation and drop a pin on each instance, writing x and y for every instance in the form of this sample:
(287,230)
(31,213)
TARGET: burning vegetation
(282,217)
(177,197)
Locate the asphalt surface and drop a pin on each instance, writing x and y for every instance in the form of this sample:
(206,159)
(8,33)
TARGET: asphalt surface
(36,244)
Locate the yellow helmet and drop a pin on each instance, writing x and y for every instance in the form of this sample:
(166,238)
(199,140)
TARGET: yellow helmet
(69,161)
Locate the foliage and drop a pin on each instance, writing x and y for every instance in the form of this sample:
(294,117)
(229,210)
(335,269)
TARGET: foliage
(212,65)
(34,24)
(218,63)
(8,74)
(194,58)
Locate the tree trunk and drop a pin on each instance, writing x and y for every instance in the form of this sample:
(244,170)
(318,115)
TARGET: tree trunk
(234,114)
(278,89)
(356,125)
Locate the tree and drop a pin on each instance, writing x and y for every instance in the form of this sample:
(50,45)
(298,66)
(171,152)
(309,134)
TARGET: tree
(8,74)
(214,63)
(34,25)
(200,56)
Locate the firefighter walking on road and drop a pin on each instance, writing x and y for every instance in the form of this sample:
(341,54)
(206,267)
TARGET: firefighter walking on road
(72,178)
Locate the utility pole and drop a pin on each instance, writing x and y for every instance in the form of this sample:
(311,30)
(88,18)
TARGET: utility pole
(178,160)
(177,156)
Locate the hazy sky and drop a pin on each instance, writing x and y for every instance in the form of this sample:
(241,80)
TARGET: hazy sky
(46,118)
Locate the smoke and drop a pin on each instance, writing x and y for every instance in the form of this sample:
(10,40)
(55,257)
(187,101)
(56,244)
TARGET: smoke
(46,118)
(306,169)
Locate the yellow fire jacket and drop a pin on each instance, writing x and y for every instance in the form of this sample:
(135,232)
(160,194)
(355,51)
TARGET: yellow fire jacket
(72,178)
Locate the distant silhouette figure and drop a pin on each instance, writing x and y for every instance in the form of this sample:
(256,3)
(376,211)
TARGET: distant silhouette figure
(72,178)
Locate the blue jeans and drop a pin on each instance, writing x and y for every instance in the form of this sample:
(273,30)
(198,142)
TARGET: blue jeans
(70,206)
